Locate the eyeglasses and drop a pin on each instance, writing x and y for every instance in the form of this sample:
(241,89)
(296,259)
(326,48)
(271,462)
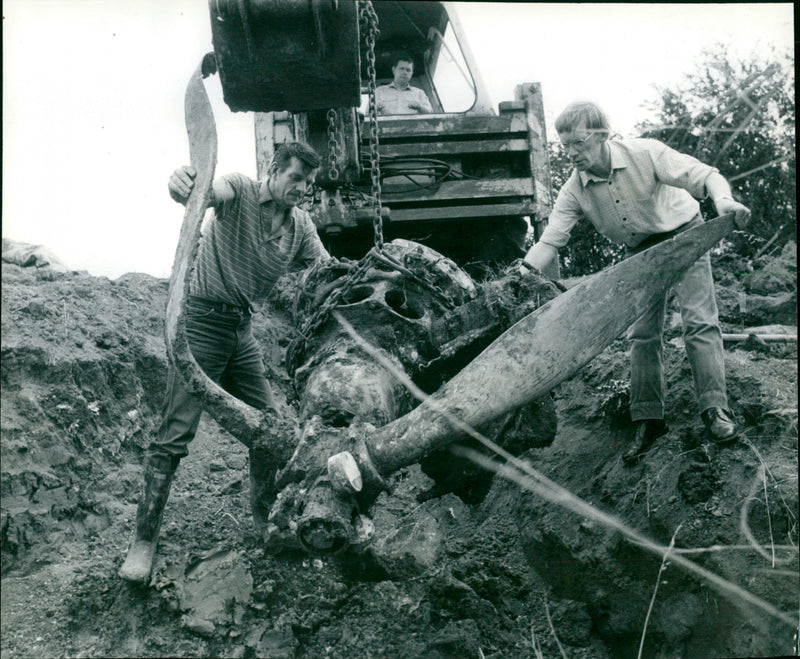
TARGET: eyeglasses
(579,145)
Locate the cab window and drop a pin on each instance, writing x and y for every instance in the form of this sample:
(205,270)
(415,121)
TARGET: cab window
(452,79)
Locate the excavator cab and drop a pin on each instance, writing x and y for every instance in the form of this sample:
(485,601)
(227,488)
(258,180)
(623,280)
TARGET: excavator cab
(443,68)
(466,180)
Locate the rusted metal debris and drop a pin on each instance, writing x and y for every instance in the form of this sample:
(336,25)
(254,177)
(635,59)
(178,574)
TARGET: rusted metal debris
(429,319)
(525,362)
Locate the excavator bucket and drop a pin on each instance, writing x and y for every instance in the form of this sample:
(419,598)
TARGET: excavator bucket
(295,55)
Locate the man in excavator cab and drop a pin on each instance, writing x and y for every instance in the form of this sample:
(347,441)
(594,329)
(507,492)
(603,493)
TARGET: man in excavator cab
(399,97)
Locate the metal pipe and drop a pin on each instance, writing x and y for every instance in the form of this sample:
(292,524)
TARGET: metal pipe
(763,338)
(326,524)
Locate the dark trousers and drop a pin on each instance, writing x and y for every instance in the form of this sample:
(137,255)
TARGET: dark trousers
(223,345)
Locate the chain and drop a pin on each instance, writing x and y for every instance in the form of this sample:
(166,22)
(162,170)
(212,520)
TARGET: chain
(294,351)
(333,146)
(370,20)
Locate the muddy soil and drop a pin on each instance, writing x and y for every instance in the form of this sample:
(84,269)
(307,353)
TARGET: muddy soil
(508,575)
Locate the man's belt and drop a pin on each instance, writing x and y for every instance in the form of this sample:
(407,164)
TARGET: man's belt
(217,305)
(656,238)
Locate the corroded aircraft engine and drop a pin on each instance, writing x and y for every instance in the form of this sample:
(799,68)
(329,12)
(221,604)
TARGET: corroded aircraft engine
(427,318)
(537,348)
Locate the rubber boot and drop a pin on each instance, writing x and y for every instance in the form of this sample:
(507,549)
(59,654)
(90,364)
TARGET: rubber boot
(138,565)
(262,487)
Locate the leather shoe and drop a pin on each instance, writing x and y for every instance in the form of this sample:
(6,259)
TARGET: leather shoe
(720,426)
(645,433)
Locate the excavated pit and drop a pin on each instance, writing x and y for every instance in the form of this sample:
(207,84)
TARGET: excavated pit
(438,573)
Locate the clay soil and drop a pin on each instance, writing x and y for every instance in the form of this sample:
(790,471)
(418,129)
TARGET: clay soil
(511,575)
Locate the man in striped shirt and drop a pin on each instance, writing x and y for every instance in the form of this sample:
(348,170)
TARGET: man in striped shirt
(256,234)
(639,192)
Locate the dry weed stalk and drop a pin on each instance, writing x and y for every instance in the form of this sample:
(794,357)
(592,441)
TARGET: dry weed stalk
(552,627)
(523,474)
(779,573)
(649,484)
(744,525)
(537,647)
(789,415)
(747,547)
(664,565)
(236,521)
(768,472)
(784,406)
(65,324)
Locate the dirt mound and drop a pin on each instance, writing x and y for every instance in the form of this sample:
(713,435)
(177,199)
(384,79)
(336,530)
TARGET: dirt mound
(83,372)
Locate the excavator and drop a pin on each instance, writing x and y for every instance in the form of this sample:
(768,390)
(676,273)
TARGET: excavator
(466,180)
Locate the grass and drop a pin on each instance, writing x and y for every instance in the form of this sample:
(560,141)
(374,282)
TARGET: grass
(789,417)
(761,479)
(767,471)
(537,647)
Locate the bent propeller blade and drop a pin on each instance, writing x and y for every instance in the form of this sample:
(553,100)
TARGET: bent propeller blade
(546,347)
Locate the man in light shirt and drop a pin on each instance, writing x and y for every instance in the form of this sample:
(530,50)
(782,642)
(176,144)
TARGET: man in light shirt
(398,97)
(640,192)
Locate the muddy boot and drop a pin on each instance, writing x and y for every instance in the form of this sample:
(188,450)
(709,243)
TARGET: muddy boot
(645,434)
(262,487)
(138,565)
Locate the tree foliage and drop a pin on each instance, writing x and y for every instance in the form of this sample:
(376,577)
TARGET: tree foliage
(738,116)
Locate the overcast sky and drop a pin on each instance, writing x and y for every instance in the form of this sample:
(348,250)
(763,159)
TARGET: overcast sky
(93,100)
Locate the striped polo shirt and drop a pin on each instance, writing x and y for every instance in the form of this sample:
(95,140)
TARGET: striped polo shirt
(238,261)
(652,188)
